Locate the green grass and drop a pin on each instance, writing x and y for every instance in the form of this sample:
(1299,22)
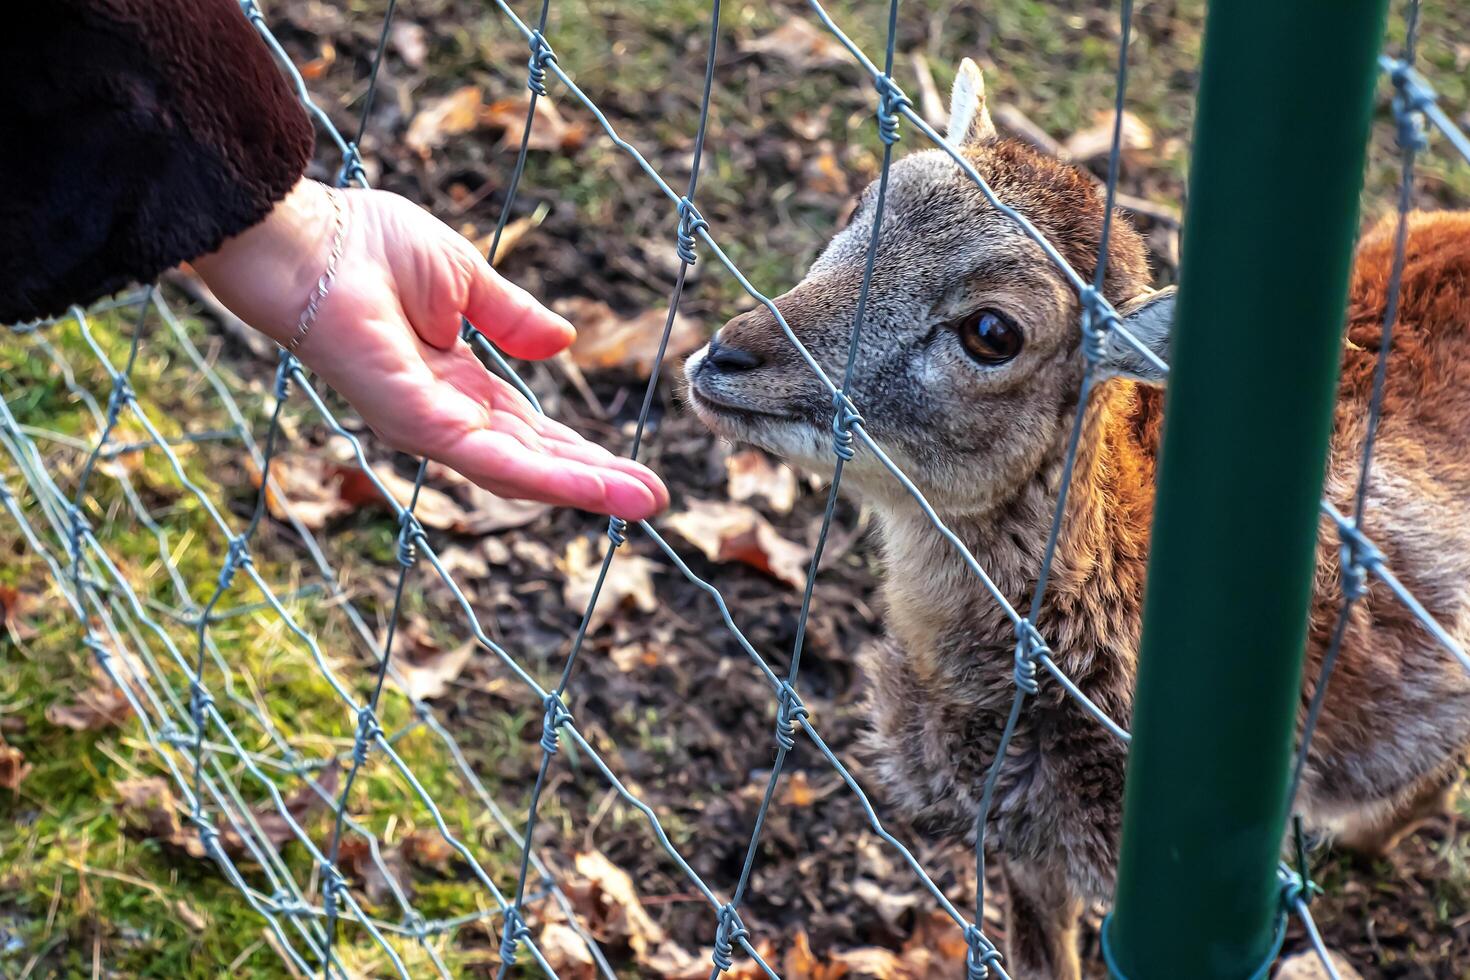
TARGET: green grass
(79,883)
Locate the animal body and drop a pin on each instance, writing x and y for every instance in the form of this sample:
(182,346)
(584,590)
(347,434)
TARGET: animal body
(970,367)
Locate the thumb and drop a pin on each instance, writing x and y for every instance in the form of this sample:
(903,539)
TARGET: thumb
(512,317)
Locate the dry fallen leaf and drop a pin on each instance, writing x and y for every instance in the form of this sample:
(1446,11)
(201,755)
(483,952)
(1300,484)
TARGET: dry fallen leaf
(488,513)
(801,44)
(411,42)
(372,875)
(443,117)
(606,340)
(434,508)
(512,236)
(317,67)
(306,486)
(643,934)
(13,765)
(890,905)
(934,949)
(103,704)
(752,473)
(799,791)
(604,894)
(550,131)
(428,849)
(464,564)
(1308,966)
(868,961)
(823,174)
(148,804)
(735,532)
(534,554)
(14,605)
(634,656)
(430,677)
(566,951)
(318,490)
(1097,140)
(629,581)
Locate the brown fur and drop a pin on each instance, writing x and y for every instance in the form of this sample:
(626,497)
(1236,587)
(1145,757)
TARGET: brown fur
(987,447)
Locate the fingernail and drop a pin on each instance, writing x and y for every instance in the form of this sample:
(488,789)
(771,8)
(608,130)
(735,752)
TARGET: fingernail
(656,486)
(630,499)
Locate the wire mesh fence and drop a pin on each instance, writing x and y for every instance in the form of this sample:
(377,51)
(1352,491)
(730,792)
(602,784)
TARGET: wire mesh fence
(228,752)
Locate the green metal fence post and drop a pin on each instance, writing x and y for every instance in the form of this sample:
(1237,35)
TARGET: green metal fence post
(1285,99)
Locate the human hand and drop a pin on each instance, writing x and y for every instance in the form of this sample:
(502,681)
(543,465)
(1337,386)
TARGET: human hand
(386,337)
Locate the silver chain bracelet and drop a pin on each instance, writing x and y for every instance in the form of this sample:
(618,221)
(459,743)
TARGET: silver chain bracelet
(324,283)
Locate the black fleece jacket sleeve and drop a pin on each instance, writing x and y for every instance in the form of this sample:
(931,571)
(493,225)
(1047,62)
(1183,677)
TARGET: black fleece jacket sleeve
(134,135)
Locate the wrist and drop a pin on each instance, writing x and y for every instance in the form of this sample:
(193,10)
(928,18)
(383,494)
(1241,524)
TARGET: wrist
(268,273)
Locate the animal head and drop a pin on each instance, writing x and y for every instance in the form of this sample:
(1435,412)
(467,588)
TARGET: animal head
(970,357)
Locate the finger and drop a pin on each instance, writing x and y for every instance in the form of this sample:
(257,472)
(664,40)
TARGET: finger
(502,464)
(582,451)
(512,318)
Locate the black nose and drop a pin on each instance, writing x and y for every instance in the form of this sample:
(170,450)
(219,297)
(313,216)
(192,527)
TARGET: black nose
(723,357)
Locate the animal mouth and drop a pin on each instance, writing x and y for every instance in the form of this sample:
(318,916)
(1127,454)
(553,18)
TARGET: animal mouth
(725,404)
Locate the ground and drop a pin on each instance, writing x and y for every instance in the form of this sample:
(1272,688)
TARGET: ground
(91,885)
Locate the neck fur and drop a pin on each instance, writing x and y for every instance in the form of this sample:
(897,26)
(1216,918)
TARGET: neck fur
(943,615)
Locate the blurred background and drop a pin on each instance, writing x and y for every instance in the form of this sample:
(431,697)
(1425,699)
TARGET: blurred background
(97,878)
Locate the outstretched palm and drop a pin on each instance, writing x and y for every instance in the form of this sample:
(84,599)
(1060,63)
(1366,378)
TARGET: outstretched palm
(387,339)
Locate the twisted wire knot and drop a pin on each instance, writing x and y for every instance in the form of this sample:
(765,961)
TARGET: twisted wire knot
(691,222)
(77,526)
(731,931)
(99,649)
(510,937)
(287,904)
(410,532)
(250,9)
(352,169)
(541,56)
(557,714)
(1295,887)
(1411,97)
(237,555)
(333,885)
(845,416)
(368,730)
(200,701)
(1098,318)
(415,924)
(617,531)
(1357,556)
(981,955)
(1030,648)
(208,835)
(890,100)
(285,365)
(789,713)
(122,394)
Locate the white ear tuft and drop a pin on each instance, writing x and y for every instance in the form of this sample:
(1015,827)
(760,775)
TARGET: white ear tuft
(1150,319)
(969,119)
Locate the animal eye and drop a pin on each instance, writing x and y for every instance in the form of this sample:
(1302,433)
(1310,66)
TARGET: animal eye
(989,337)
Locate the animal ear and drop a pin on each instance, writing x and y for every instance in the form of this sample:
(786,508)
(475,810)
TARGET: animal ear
(1150,319)
(969,119)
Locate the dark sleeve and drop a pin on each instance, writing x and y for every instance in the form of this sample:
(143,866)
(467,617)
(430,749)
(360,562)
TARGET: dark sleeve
(136,134)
